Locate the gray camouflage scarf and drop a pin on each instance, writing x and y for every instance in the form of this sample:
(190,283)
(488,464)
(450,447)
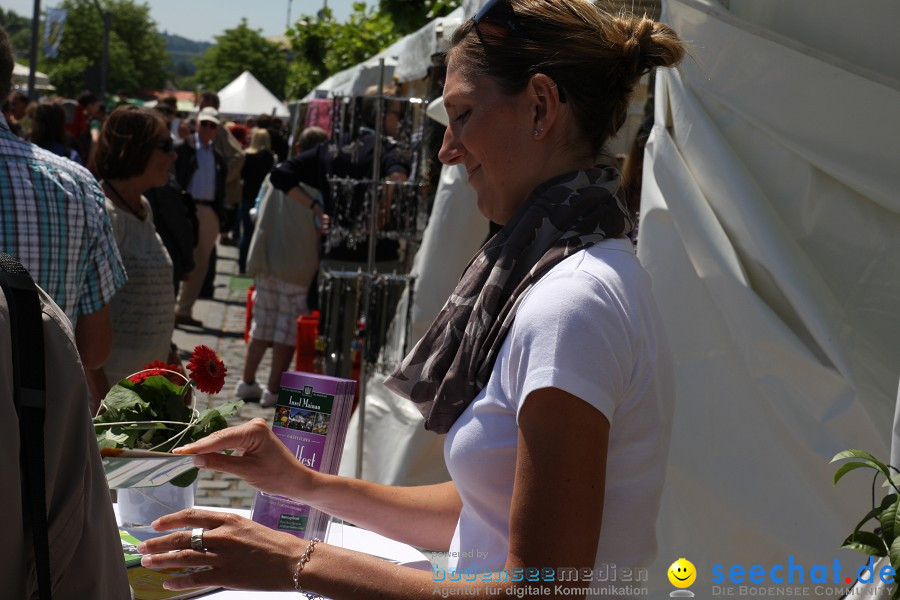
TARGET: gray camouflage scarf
(453,360)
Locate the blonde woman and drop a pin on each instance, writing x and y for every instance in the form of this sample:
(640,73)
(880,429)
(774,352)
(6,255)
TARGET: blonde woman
(547,369)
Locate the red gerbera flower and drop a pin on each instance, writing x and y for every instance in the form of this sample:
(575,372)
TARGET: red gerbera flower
(207,370)
(158,367)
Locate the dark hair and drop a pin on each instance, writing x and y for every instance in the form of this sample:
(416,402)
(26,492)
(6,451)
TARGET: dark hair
(170,101)
(86,98)
(210,98)
(127,140)
(48,124)
(594,57)
(19,97)
(6,64)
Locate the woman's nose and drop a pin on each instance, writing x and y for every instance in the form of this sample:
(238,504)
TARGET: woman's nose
(451,152)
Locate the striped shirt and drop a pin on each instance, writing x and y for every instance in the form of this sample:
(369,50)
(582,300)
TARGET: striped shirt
(53,219)
(203,181)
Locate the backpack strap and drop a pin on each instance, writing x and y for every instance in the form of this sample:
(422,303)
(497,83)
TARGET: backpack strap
(29,396)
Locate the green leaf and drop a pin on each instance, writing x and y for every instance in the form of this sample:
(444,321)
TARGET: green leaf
(888,518)
(120,399)
(853,453)
(850,466)
(872,514)
(866,542)
(186,478)
(894,555)
(108,439)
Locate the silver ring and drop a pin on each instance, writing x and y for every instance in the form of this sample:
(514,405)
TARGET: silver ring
(197,539)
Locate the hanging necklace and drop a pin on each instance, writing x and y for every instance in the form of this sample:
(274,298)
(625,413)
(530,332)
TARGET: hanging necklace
(140,215)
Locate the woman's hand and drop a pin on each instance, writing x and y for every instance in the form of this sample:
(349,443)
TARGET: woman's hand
(263,461)
(241,554)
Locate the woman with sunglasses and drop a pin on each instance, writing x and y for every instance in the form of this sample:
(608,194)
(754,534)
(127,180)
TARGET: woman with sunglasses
(548,367)
(135,153)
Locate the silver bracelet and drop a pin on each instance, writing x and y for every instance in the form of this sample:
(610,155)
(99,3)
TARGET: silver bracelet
(302,563)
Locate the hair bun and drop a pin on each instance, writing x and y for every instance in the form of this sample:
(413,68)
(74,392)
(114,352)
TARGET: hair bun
(647,44)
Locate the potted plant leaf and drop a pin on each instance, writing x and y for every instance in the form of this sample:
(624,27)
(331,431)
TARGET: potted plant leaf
(883,541)
(155,409)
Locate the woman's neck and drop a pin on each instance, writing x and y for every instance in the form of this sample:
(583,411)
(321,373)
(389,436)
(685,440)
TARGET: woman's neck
(126,192)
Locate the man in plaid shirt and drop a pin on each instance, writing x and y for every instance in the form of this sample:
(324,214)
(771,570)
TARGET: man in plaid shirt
(53,219)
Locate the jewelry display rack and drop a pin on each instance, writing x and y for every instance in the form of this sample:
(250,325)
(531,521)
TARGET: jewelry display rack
(359,306)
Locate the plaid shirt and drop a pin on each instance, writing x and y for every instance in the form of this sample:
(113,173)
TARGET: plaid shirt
(53,219)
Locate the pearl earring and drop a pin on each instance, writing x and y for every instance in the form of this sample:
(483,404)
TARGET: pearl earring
(537,132)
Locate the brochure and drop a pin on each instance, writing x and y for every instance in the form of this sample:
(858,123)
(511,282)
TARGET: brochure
(148,584)
(129,548)
(142,468)
(311,418)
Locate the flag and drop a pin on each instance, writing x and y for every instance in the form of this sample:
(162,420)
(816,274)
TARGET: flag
(53,30)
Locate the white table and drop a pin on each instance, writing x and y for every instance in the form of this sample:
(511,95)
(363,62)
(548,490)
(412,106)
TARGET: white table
(339,534)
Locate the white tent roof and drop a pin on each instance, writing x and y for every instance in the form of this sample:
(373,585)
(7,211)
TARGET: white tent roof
(247,96)
(20,78)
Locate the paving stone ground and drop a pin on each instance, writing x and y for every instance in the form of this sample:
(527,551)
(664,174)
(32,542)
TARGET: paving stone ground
(223,330)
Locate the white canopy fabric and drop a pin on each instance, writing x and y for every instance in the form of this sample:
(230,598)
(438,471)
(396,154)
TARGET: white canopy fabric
(20,78)
(246,96)
(771,228)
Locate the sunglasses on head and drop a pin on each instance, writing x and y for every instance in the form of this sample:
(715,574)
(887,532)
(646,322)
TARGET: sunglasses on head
(501,13)
(165,144)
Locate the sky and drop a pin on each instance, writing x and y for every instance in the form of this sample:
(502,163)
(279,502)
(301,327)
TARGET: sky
(200,20)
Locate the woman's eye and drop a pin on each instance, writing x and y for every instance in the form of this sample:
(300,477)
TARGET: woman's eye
(463,116)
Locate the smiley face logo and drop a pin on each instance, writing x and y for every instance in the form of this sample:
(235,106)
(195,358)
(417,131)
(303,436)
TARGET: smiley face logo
(682,573)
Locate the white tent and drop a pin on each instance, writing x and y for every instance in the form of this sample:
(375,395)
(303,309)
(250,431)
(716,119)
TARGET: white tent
(20,78)
(246,96)
(771,228)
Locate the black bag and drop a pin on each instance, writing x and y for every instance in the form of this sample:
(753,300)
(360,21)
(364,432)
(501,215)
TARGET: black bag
(29,396)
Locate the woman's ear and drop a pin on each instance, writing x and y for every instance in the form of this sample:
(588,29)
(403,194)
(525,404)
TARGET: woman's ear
(546,103)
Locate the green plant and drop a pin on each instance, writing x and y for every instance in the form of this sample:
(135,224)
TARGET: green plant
(884,539)
(154,409)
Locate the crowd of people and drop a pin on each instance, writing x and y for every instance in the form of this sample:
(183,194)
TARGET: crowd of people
(547,368)
(172,185)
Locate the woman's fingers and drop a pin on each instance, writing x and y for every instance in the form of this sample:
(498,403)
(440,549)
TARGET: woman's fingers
(189,518)
(178,559)
(242,554)
(241,437)
(197,579)
(236,465)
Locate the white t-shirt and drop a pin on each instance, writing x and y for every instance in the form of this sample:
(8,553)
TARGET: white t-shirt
(590,327)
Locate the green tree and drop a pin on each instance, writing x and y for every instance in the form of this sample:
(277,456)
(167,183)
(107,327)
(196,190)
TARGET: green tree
(18,29)
(322,46)
(410,16)
(137,53)
(243,49)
